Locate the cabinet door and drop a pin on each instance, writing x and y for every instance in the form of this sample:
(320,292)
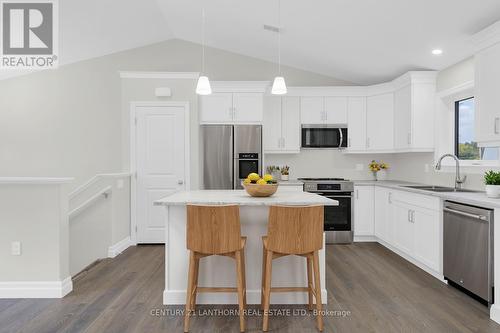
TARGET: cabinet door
(290,120)
(248,107)
(383,214)
(336,110)
(487,81)
(216,108)
(364,211)
(403,227)
(402,118)
(356,123)
(312,110)
(380,122)
(272,124)
(427,237)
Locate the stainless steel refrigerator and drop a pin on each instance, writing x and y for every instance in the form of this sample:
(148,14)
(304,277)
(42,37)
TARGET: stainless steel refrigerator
(230,153)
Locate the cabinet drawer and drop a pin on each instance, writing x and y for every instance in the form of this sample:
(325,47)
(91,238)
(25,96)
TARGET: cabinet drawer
(418,200)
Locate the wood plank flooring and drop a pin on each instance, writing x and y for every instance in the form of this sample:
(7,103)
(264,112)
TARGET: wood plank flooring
(377,290)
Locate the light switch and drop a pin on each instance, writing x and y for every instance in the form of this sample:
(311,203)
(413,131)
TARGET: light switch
(15,248)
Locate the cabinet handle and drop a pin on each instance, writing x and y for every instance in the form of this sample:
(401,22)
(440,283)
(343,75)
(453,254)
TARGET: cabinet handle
(367,142)
(357,194)
(409,215)
(230,113)
(234,113)
(496,125)
(409,138)
(389,198)
(282,142)
(349,142)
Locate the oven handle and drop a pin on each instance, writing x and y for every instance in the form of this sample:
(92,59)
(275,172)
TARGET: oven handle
(337,196)
(341,137)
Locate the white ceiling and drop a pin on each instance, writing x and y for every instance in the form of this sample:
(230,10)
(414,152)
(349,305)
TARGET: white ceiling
(362,41)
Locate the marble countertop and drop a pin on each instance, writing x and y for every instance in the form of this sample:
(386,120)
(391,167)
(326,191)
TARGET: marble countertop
(471,198)
(290,182)
(240,197)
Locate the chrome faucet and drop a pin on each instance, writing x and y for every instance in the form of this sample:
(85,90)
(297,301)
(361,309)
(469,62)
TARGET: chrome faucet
(458,180)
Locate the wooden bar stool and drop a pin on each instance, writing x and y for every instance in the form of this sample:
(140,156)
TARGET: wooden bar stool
(214,230)
(293,230)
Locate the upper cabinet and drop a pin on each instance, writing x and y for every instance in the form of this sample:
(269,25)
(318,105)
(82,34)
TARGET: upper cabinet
(356,122)
(486,83)
(281,124)
(236,102)
(323,110)
(380,122)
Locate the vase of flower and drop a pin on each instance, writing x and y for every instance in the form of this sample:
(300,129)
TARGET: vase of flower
(492,181)
(274,170)
(378,169)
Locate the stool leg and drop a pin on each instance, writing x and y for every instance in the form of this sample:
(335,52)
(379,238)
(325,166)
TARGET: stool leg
(267,290)
(310,281)
(317,285)
(244,278)
(195,283)
(189,290)
(239,278)
(262,290)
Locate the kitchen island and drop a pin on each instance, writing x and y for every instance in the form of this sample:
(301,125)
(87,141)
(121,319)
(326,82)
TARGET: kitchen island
(218,271)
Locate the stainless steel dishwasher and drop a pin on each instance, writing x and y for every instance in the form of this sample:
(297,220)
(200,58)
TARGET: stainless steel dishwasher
(468,248)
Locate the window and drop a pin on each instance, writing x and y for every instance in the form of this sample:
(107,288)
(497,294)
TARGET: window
(465,146)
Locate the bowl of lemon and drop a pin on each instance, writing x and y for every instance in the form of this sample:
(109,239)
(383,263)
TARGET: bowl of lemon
(260,187)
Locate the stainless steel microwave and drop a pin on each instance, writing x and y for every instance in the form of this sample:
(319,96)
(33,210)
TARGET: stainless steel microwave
(324,136)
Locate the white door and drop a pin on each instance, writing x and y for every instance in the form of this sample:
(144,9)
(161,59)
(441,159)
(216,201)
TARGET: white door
(427,233)
(160,165)
(336,110)
(248,107)
(402,118)
(290,113)
(403,217)
(382,213)
(356,122)
(312,110)
(380,122)
(363,211)
(216,108)
(272,124)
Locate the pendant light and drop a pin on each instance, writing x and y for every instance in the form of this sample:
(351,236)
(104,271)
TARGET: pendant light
(279,86)
(203,85)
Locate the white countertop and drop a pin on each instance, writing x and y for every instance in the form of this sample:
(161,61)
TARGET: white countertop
(240,197)
(471,198)
(290,182)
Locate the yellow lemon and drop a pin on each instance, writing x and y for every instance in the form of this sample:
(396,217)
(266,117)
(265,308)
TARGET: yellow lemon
(247,181)
(253,176)
(261,182)
(267,177)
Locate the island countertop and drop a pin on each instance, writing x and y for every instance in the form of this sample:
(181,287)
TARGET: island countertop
(240,197)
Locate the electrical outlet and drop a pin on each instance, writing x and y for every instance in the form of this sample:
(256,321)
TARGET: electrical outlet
(15,248)
(360,167)
(119,183)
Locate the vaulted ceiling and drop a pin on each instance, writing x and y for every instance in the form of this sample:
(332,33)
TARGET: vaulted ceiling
(362,41)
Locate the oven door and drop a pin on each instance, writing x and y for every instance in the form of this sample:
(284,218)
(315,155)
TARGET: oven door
(243,169)
(324,137)
(339,218)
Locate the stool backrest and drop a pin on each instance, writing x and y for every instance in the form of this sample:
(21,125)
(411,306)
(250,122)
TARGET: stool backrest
(213,229)
(295,229)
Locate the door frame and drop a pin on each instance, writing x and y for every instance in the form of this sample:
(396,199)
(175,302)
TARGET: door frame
(133,153)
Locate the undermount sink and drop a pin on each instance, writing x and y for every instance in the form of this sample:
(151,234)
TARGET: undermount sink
(434,188)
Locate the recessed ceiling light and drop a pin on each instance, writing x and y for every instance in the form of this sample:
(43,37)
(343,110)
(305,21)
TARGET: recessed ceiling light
(437,52)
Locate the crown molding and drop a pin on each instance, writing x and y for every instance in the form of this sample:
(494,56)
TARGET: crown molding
(486,37)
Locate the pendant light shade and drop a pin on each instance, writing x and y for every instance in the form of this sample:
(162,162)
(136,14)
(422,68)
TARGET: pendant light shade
(279,86)
(203,86)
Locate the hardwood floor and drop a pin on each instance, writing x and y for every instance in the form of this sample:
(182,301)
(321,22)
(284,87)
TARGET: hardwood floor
(377,290)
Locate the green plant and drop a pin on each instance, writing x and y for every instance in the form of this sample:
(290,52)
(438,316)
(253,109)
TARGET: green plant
(492,178)
(273,168)
(285,170)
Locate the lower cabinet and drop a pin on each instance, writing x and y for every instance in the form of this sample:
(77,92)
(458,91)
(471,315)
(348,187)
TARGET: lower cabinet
(407,222)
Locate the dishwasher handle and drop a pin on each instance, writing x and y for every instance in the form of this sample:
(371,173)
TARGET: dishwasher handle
(458,212)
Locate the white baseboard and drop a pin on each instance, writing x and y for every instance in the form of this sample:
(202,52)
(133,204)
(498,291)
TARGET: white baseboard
(119,247)
(495,313)
(363,238)
(178,297)
(36,289)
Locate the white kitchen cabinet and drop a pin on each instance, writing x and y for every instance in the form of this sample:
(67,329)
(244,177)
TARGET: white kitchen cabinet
(402,117)
(427,237)
(312,110)
(281,124)
(404,230)
(363,211)
(323,110)
(216,108)
(384,228)
(336,110)
(356,122)
(487,111)
(237,108)
(380,122)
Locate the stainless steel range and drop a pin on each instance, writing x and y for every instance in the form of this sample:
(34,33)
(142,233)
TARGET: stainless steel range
(338,219)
